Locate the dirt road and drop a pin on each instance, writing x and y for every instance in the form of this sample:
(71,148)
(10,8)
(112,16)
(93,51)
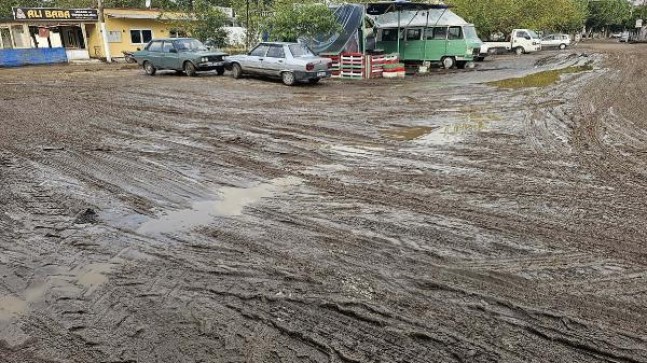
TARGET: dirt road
(433,219)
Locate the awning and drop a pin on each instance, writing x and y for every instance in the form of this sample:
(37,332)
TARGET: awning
(380,8)
(149,16)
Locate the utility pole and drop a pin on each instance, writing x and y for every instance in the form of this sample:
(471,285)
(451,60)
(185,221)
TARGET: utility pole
(247,28)
(104,32)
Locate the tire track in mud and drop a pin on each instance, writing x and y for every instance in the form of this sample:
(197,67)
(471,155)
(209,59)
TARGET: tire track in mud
(508,240)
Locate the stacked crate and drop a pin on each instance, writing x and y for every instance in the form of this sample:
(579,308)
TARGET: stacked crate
(336,64)
(375,65)
(359,66)
(392,68)
(352,65)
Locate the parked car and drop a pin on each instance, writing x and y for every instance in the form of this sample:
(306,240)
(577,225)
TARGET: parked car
(291,62)
(520,41)
(181,55)
(560,41)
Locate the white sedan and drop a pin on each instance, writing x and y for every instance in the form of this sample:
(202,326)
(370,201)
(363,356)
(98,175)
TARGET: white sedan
(560,41)
(291,62)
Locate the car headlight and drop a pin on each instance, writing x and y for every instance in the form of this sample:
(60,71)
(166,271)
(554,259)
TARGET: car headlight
(204,59)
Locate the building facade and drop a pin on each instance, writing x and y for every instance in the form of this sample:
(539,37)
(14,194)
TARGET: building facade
(45,35)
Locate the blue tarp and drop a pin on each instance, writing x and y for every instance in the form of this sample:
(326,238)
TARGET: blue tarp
(32,56)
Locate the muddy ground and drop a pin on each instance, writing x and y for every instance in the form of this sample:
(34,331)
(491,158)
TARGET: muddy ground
(432,219)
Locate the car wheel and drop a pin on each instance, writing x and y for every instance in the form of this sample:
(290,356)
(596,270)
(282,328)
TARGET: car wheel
(314,80)
(288,78)
(448,62)
(236,71)
(189,69)
(149,68)
(518,50)
(220,71)
(461,64)
(562,46)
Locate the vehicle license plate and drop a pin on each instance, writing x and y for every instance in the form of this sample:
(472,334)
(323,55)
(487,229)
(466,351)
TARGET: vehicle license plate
(321,74)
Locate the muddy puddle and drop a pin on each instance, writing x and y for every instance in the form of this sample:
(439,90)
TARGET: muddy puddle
(93,276)
(539,79)
(448,133)
(13,306)
(232,202)
(85,279)
(408,133)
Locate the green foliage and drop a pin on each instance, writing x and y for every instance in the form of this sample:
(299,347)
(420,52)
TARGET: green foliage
(291,20)
(6,5)
(609,13)
(491,16)
(206,24)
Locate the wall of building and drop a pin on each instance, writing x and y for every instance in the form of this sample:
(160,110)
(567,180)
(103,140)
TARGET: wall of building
(31,56)
(119,31)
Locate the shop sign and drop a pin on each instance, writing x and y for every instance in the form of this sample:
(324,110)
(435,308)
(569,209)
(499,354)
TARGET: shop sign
(54,14)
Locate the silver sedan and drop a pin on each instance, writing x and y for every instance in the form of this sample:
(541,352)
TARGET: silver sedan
(291,62)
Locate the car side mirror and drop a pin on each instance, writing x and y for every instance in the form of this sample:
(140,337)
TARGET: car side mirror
(172,50)
(527,37)
(138,49)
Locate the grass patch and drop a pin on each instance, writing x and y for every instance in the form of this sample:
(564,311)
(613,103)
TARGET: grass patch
(539,79)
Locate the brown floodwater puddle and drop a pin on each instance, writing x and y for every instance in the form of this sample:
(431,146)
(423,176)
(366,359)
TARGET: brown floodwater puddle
(407,133)
(539,79)
(94,275)
(232,202)
(89,277)
(473,122)
(12,306)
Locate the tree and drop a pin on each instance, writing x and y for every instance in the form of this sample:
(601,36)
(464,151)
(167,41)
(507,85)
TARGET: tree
(305,18)
(204,22)
(492,16)
(605,14)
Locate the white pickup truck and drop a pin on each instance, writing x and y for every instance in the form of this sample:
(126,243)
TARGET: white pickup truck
(521,41)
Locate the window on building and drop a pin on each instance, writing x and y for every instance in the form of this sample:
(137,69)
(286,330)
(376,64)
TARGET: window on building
(114,36)
(414,34)
(140,36)
(455,32)
(5,38)
(177,33)
(19,36)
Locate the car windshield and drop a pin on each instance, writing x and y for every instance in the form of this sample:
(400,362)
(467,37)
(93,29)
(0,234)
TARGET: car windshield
(300,50)
(189,45)
(533,35)
(470,33)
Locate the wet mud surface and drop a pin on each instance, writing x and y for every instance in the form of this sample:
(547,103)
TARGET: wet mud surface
(432,219)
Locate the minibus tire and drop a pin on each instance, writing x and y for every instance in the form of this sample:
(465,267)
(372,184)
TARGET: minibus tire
(448,62)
